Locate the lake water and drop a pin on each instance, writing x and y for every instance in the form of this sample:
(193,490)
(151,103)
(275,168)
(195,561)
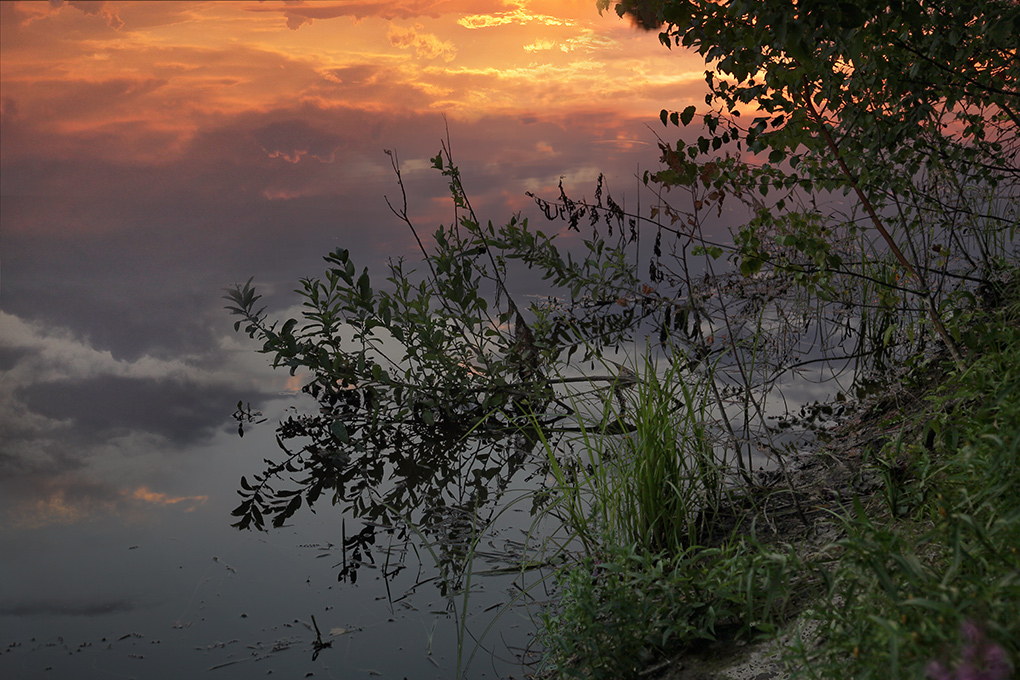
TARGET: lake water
(126,565)
(153,582)
(119,467)
(171,590)
(120,463)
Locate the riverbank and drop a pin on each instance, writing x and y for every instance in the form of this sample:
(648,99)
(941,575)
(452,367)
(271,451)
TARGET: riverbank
(827,481)
(893,546)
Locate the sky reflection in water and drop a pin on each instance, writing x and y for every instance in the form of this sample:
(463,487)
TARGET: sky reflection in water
(173,591)
(154,153)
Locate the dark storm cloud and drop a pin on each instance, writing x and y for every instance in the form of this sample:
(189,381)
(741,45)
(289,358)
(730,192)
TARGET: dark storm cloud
(135,256)
(26,454)
(293,139)
(108,406)
(241,157)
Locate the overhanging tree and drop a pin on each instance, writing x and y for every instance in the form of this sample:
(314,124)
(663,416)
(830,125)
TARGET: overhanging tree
(910,107)
(842,103)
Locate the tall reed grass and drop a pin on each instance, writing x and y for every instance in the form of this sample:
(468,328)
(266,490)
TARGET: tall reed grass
(643,471)
(641,490)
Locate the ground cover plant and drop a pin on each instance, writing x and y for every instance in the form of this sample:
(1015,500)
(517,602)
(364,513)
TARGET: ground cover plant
(928,578)
(877,182)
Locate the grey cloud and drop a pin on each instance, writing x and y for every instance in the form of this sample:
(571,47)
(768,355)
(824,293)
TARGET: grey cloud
(292,139)
(106,406)
(65,404)
(9,356)
(358,74)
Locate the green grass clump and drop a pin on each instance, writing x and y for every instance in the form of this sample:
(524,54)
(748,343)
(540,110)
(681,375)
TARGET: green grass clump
(647,474)
(623,610)
(923,584)
(656,572)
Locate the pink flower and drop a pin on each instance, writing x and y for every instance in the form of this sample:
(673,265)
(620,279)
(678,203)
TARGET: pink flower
(980,659)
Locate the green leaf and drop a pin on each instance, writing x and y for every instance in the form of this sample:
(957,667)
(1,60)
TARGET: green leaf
(364,286)
(887,336)
(750,266)
(339,431)
(688,115)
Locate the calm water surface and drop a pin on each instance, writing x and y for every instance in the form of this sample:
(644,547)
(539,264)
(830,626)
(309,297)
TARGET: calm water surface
(119,466)
(165,588)
(133,570)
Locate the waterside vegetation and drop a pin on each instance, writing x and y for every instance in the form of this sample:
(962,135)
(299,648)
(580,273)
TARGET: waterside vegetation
(876,196)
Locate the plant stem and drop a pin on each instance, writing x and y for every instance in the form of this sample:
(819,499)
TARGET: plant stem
(925,293)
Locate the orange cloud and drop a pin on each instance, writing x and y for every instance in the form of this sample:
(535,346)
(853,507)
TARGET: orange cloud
(295,383)
(71,499)
(177,69)
(520,16)
(426,45)
(301,14)
(55,509)
(57,500)
(143,493)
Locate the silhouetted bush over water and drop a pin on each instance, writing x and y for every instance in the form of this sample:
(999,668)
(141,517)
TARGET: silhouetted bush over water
(878,182)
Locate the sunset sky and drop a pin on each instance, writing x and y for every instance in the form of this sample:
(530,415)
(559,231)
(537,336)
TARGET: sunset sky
(285,100)
(155,152)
